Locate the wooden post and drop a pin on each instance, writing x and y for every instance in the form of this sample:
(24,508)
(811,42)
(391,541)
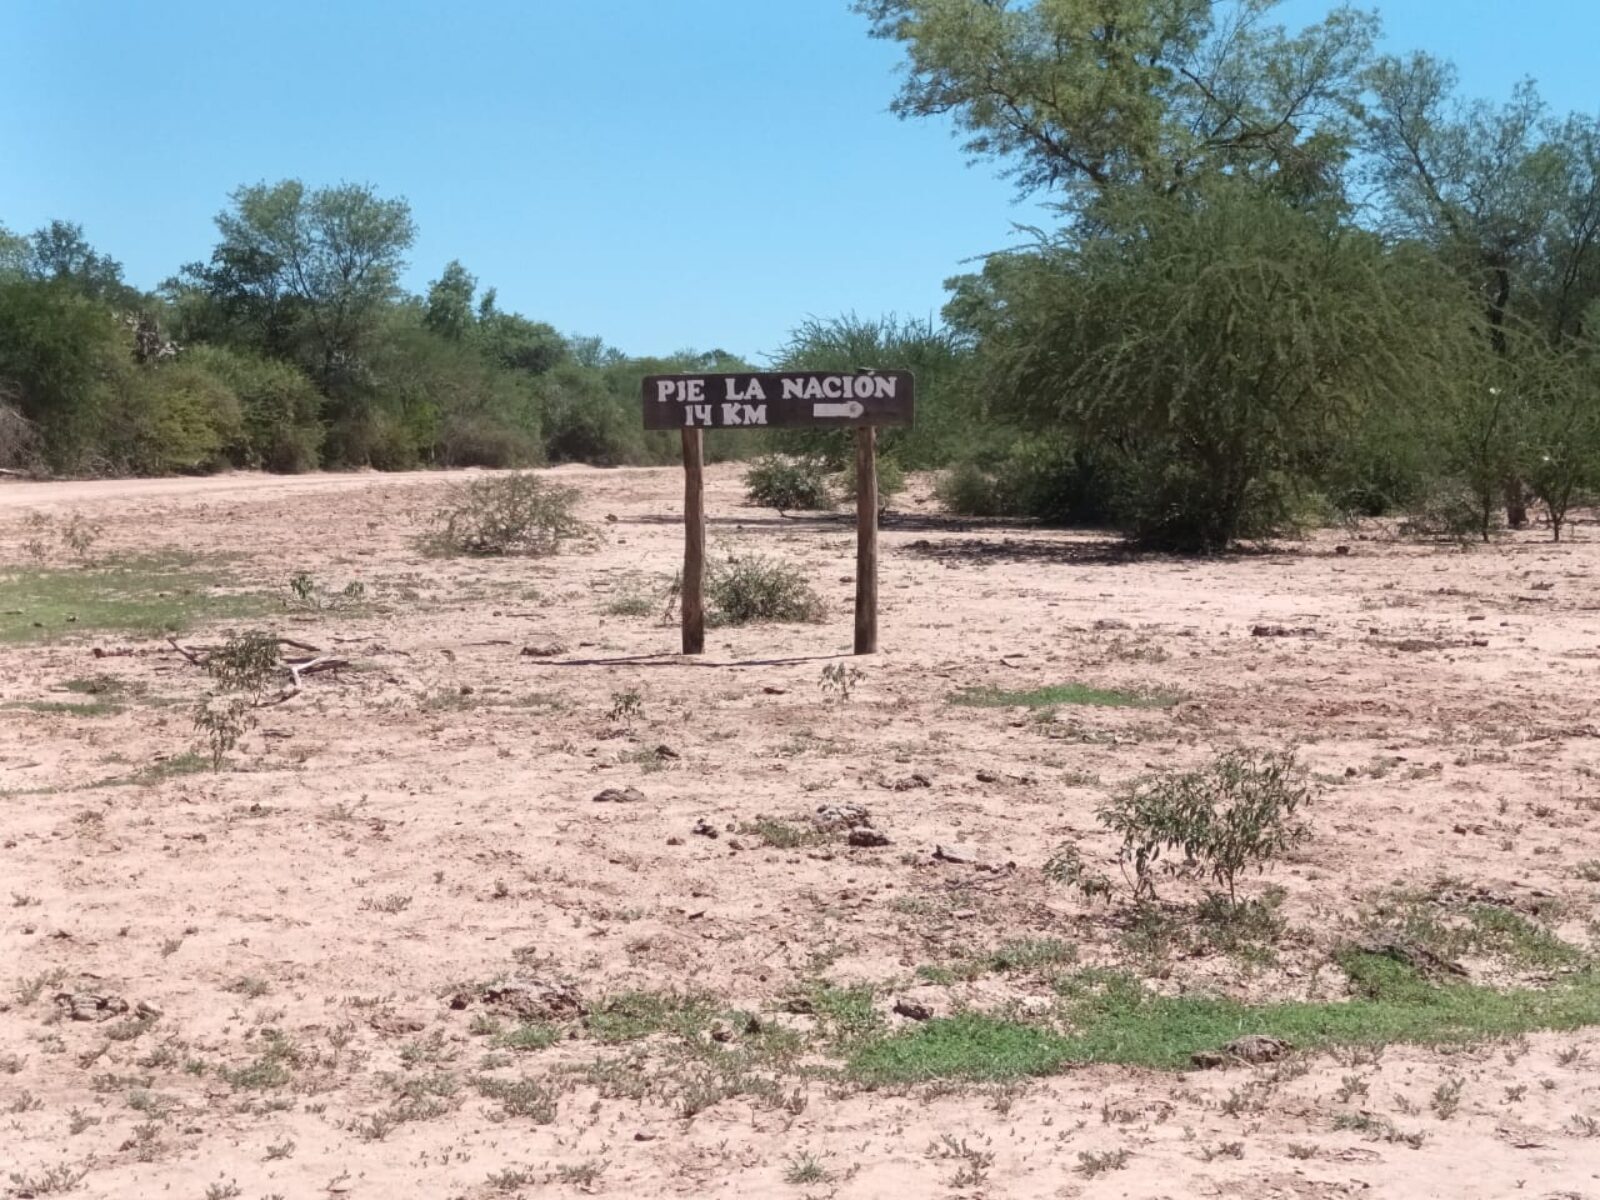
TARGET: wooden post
(694,543)
(866,540)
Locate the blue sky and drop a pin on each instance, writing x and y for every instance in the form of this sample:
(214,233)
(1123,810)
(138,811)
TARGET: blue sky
(663,173)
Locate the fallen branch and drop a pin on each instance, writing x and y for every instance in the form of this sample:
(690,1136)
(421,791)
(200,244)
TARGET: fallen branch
(315,666)
(189,654)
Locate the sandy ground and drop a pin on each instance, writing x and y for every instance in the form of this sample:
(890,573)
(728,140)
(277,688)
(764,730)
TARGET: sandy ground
(426,820)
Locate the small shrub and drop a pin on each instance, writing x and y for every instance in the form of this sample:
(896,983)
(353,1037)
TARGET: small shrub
(1448,510)
(754,589)
(245,663)
(777,481)
(1237,812)
(222,723)
(969,491)
(626,708)
(891,481)
(1066,866)
(510,515)
(839,680)
(307,595)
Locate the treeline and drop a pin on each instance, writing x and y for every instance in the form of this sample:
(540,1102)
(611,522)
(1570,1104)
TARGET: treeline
(1292,279)
(294,347)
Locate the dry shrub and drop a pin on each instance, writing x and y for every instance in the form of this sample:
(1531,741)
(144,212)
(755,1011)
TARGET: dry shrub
(516,514)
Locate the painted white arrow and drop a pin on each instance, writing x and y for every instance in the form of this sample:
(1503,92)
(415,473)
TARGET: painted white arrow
(850,408)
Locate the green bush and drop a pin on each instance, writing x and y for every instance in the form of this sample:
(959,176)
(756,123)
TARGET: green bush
(788,484)
(1043,479)
(1448,509)
(1237,812)
(279,410)
(753,589)
(508,515)
(891,480)
(165,418)
(967,490)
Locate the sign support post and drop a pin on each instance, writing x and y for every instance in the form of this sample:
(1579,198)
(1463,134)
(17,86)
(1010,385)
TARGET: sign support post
(867,540)
(862,400)
(694,543)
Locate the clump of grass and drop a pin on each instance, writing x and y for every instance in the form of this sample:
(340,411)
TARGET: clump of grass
(753,589)
(517,514)
(804,1168)
(533,1036)
(782,835)
(1059,695)
(519,1098)
(635,1015)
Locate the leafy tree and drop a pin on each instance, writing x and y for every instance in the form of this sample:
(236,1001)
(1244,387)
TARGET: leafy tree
(449,313)
(59,253)
(1084,95)
(305,273)
(13,255)
(1214,349)
(1560,428)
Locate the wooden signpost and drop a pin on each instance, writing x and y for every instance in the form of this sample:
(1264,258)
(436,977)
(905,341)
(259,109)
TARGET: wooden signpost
(859,400)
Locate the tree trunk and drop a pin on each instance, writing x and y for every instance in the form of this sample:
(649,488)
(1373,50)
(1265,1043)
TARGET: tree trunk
(1516,503)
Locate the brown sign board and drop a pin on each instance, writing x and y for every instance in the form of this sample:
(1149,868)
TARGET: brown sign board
(779,400)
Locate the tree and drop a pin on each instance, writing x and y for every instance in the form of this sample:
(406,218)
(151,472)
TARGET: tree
(59,253)
(449,311)
(1084,95)
(13,255)
(307,274)
(1507,196)
(1560,402)
(1215,348)
(945,421)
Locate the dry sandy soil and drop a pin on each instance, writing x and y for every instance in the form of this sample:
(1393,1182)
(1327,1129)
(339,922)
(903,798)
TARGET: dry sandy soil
(333,935)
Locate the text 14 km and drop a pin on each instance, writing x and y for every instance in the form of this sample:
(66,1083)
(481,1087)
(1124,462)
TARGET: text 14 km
(783,399)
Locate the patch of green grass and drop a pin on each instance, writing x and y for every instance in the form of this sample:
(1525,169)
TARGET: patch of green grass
(845,1014)
(143,597)
(1112,1019)
(65,708)
(1061,694)
(157,772)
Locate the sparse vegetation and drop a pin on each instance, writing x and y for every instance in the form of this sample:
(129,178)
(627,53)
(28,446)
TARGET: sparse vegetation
(1059,695)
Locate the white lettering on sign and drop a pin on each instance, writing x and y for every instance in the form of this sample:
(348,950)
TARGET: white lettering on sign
(697,414)
(666,389)
(794,389)
(744,414)
(754,393)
